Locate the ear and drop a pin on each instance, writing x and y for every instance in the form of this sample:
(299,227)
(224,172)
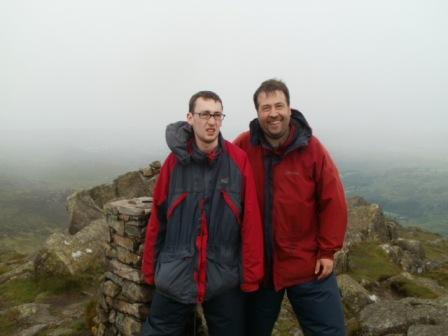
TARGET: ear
(190,118)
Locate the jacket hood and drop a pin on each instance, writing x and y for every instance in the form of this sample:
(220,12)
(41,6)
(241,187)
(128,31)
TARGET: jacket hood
(303,134)
(180,140)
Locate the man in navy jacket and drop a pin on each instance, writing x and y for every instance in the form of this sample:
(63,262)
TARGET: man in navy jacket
(204,240)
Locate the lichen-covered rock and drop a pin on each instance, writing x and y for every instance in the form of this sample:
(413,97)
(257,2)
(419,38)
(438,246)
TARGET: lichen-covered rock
(136,293)
(82,210)
(341,261)
(354,296)
(127,325)
(388,316)
(69,255)
(428,330)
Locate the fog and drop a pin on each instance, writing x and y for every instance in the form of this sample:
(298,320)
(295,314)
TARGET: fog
(103,78)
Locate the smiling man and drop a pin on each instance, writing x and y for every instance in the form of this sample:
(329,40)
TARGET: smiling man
(304,213)
(204,240)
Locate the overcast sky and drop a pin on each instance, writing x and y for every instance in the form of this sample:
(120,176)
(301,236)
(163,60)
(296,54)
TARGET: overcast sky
(366,74)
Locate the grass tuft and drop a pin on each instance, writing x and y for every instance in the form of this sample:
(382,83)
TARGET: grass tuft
(407,288)
(368,261)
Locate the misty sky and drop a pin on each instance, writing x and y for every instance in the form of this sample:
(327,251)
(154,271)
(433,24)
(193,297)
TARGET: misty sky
(366,74)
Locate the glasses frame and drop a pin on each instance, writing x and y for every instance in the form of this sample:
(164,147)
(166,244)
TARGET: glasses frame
(207,115)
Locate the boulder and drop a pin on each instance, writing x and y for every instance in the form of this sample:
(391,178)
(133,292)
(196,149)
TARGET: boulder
(354,296)
(86,206)
(408,254)
(428,330)
(132,184)
(82,210)
(367,221)
(68,255)
(389,316)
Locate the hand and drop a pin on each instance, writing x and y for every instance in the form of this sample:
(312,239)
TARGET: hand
(324,267)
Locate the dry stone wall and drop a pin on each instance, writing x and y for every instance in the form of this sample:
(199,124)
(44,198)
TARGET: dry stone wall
(125,298)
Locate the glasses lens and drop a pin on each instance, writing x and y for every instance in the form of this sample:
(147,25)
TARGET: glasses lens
(204,115)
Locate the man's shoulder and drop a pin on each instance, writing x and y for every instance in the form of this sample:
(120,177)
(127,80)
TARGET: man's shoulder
(170,162)
(243,141)
(234,150)
(243,137)
(316,145)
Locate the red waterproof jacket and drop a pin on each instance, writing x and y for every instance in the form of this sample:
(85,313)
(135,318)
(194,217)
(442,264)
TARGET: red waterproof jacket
(302,202)
(205,233)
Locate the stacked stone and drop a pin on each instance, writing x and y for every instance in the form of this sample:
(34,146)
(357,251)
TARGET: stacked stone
(124,299)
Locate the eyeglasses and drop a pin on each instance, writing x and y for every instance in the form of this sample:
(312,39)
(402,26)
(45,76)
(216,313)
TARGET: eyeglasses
(206,115)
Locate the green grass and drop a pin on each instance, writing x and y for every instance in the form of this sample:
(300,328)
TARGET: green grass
(440,275)
(433,251)
(18,292)
(8,322)
(79,328)
(4,269)
(8,258)
(369,262)
(25,290)
(407,288)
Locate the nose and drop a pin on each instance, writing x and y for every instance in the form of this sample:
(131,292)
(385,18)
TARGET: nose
(273,113)
(211,120)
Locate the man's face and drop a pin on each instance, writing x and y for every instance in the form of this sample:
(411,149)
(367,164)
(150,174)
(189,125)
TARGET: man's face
(274,114)
(206,130)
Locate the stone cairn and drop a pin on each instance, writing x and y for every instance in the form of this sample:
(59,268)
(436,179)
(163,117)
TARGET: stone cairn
(124,299)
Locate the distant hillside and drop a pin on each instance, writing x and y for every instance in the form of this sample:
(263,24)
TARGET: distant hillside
(416,195)
(29,212)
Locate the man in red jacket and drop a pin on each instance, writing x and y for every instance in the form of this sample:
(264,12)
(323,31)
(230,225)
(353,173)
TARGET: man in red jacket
(304,211)
(204,240)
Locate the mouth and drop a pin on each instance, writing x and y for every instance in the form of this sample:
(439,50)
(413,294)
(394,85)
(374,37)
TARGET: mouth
(274,124)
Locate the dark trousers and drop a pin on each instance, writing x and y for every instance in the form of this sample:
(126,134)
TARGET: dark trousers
(224,315)
(317,305)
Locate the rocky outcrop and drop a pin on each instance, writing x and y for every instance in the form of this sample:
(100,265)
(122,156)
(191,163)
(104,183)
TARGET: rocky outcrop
(389,317)
(86,205)
(70,255)
(367,221)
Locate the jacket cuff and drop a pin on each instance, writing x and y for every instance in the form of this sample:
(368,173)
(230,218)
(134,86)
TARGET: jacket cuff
(325,254)
(149,279)
(249,287)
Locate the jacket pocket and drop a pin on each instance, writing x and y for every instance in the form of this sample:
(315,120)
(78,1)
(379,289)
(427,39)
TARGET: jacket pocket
(223,272)
(175,204)
(234,207)
(174,275)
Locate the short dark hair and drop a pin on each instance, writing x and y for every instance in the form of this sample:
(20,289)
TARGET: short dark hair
(269,86)
(204,95)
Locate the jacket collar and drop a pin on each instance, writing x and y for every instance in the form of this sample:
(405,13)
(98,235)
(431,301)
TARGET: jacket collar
(180,139)
(302,136)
